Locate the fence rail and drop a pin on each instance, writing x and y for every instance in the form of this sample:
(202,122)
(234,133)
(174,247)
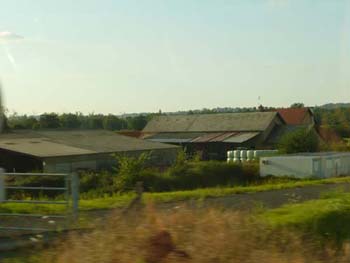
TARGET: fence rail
(70,192)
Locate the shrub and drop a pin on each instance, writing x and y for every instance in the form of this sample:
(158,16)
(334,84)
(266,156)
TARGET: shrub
(96,184)
(199,175)
(129,171)
(301,140)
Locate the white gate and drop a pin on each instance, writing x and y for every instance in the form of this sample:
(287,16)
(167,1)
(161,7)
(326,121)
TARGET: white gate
(70,191)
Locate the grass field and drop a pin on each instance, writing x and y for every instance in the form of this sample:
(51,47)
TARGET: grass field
(210,235)
(119,201)
(327,217)
(305,228)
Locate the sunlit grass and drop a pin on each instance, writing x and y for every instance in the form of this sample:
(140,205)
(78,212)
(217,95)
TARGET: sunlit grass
(122,200)
(327,217)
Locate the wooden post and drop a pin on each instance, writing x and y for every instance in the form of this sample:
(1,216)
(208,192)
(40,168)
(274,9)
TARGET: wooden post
(139,189)
(2,186)
(75,194)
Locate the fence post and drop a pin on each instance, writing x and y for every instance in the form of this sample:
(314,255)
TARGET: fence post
(75,194)
(2,186)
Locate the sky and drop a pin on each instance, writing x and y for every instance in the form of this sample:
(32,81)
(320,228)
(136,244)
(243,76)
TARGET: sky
(110,56)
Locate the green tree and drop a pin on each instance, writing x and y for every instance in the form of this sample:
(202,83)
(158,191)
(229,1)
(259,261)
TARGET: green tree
(113,123)
(49,121)
(129,171)
(137,123)
(297,105)
(5,126)
(22,122)
(70,121)
(301,140)
(95,121)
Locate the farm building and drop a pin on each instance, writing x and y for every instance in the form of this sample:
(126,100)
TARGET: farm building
(66,151)
(297,116)
(295,119)
(214,134)
(321,165)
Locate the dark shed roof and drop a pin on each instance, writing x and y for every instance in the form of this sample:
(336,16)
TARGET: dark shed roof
(69,143)
(223,122)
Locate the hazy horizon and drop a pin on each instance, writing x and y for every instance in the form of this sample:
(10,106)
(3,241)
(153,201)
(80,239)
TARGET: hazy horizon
(132,56)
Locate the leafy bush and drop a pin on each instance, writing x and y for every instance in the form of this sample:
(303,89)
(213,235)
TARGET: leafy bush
(129,171)
(183,175)
(199,175)
(302,140)
(96,184)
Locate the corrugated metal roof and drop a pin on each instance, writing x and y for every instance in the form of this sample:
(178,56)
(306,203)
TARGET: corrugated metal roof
(209,137)
(230,137)
(67,143)
(41,148)
(223,122)
(242,137)
(177,137)
(170,140)
(223,136)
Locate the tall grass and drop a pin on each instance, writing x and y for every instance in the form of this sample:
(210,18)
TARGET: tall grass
(182,235)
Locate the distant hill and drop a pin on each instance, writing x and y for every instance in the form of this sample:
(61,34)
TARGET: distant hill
(331,106)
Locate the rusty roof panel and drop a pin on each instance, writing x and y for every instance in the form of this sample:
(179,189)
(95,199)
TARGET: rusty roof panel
(224,136)
(209,137)
(242,137)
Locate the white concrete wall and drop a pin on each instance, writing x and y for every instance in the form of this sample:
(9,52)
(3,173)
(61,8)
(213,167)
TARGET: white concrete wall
(322,165)
(284,166)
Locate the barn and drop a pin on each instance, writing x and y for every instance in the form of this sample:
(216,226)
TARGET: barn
(297,116)
(67,151)
(214,134)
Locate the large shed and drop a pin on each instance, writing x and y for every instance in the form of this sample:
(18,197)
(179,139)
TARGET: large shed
(66,151)
(214,134)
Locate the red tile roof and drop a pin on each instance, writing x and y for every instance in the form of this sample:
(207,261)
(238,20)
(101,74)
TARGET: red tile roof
(294,116)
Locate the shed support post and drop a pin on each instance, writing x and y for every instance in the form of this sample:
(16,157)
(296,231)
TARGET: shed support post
(75,194)
(2,186)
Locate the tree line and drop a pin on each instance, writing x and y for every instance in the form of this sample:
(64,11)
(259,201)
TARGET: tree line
(337,119)
(77,121)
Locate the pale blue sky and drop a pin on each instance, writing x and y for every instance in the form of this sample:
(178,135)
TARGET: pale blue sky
(136,56)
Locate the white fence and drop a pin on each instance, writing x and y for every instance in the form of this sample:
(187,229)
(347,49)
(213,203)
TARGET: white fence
(69,191)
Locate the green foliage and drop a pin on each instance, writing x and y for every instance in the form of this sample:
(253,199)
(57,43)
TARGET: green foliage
(301,140)
(326,218)
(337,119)
(49,121)
(69,121)
(96,184)
(193,175)
(113,123)
(137,123)
(22,122)
(297,105)
(95,122)
(180,165)
(129,171)
(78,121)
(91,202)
